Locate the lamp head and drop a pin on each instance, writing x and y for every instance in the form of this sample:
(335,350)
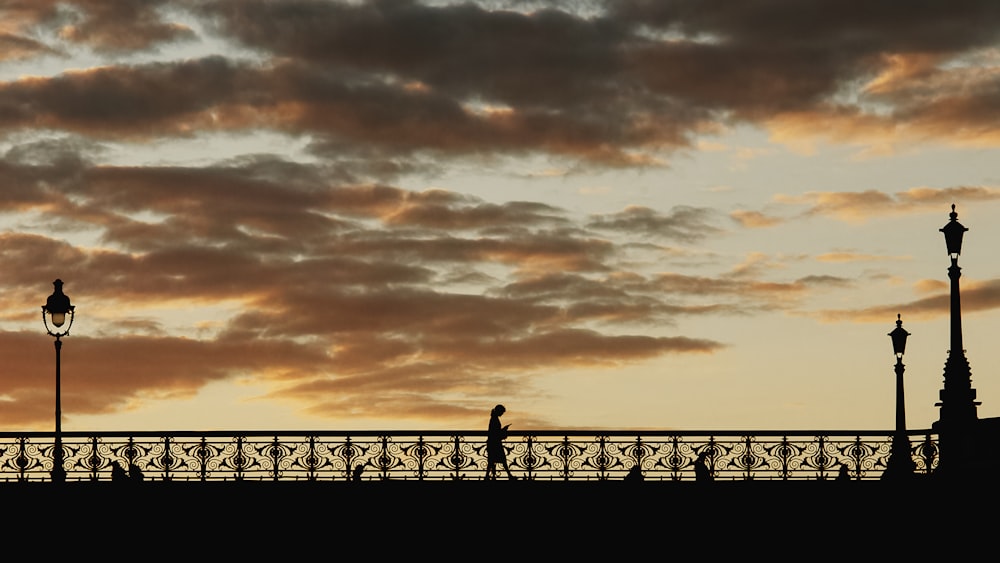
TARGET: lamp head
(57,306)
(899,335)
(953,232)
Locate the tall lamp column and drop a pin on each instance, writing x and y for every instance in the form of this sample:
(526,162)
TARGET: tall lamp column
(57,315)
(900,464)
(958,419)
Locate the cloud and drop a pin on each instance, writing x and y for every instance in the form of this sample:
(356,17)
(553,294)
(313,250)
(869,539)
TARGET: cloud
(119,27)
(754,219)
(846,256)
(405,78)
(313,284)
(857,207)
(14,47)
(683,223)
(976,297)
(122,26)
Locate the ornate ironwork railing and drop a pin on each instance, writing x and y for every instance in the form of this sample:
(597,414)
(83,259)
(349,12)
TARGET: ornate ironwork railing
(579,455)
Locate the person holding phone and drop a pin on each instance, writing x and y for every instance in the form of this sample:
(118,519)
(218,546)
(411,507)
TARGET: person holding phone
(495,450)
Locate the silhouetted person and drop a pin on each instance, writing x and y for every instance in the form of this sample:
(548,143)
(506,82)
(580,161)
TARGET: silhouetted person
(358,470)
(495,450)
(844,474)
(635,474)
(118,474)
(134,473)
(701,469)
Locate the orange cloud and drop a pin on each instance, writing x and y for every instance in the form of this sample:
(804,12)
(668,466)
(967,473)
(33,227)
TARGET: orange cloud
(856,207)
(754,219)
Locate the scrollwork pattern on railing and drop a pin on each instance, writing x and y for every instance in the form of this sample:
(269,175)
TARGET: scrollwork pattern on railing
(434,455)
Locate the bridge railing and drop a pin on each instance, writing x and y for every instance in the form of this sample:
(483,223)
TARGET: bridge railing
(552,455)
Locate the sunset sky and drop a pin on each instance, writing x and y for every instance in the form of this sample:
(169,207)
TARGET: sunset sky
(655,214)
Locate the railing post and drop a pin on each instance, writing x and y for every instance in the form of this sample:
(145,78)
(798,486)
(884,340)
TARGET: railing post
(311,460)
(275,458)
(564,452)
(95,459)
(747,458)
(602,458)
(22,459)
(784,454)
(456,458)
(711,456)
(130,452)
(421,458)
(928,452)
(675,461)
(858,451)
(822,458)
(239,459)
(167,458)
(348,458)
(637,455)
(202,453)
(383,457)
(530,460)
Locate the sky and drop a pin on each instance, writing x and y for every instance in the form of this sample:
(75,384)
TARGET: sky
(664,215)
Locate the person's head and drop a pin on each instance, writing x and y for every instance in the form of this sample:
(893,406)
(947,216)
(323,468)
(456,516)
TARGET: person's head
(499,410)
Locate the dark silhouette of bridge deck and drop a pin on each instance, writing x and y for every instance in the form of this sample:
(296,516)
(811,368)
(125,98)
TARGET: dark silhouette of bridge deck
(545,518)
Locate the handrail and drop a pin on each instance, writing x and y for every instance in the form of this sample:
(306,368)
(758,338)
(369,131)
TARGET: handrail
(440,432)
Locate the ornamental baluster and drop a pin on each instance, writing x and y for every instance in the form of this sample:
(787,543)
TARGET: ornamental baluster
(565,451)
(348,458)
(166,459)
(384,460)
(274,452)
(421,457)
(22,458)
(785,452)
(530,459)
(312,460)
(202,453)
(94,461)
(239,460)
(928,452)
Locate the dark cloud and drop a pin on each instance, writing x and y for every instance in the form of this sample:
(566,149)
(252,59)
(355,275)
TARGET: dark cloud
(122,25)
(118,26)
(683,223)
(14,47)
(619,87)
(111,373)
(125,101)
(849,27)
(329,285)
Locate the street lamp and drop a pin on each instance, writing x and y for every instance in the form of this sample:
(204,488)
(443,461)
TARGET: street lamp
(57,315)
(900,464)
(958,417)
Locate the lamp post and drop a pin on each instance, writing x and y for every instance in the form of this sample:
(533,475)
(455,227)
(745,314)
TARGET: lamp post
(57,315)
(956,425)
(900,464)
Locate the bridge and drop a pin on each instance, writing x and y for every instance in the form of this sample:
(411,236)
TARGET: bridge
(260,494)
